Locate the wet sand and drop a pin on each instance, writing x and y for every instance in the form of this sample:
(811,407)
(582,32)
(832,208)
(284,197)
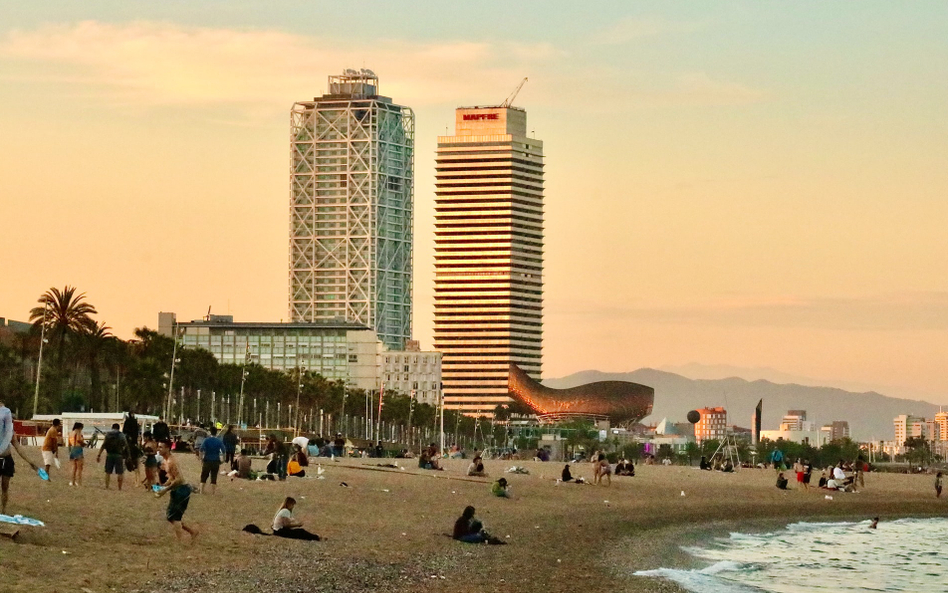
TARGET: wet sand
(389,529)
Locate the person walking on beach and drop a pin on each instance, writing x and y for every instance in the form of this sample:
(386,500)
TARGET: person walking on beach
(132,432)
(77,451)
(180,493)
(288,526)
(229,437)
(938,485)
(116,449)
(51,446)
(798,470)
(807,474)
(211,451)
(8,444)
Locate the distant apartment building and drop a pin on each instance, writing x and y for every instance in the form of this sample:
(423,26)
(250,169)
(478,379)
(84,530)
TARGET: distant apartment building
(836,430)
(412,372)
(941,425)
(908,426)
(711,425)
(10,328)
(795,420)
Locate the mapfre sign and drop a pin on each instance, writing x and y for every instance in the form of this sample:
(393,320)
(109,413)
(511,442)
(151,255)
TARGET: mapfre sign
(480,116)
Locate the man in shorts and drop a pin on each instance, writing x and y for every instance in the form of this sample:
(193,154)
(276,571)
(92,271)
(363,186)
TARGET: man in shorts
(180,493)
(51,445)
(116,450)
(211,452)
(7,445)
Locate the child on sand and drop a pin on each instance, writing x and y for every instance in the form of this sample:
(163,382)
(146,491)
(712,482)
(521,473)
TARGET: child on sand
(499,488)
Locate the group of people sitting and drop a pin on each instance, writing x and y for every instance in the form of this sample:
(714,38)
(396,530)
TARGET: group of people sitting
(832,478)
(430,458)
(716,464)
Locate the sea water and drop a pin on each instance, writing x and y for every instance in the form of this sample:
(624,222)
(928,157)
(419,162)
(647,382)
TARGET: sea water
(909,555)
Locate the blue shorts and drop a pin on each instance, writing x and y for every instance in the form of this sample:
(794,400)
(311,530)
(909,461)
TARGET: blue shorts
(77,452)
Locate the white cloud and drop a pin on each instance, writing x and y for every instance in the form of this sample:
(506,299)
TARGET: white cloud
(148,63)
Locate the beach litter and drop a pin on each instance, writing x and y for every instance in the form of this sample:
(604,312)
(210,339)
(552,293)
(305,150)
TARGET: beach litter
(516,469)
(682,492)
(828,497)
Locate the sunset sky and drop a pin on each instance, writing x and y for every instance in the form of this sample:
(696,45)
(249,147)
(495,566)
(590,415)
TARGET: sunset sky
(754,184)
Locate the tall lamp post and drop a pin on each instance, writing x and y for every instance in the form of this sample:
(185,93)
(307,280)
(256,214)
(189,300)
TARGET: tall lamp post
(174,361)
(243,379)
(39,362)
(299,387)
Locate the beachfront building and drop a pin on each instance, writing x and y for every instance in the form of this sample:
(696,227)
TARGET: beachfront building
(412,372)
(336,350)
(351,195)
(488,255)
(908,426)
(795,420)
(712,425)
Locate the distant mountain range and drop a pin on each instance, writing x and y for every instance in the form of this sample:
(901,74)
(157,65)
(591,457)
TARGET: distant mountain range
(869,413)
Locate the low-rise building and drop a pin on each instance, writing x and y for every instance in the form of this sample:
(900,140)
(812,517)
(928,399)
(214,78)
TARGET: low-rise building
(412,372)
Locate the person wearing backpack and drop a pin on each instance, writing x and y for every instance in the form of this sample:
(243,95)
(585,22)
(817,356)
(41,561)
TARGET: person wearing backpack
(116,450)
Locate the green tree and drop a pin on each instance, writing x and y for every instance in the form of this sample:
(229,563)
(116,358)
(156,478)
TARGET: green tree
(66,313)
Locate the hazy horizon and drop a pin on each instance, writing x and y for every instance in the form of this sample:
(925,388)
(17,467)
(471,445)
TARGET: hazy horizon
(749,184)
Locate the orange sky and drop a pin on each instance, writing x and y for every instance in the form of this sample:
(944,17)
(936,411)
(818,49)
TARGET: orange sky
(745,187)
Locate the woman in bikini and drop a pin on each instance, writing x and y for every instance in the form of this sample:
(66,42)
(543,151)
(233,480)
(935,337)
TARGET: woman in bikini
(77,444)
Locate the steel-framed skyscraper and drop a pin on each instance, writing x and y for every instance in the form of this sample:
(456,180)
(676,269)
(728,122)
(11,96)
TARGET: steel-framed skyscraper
(488,256)
(351,194)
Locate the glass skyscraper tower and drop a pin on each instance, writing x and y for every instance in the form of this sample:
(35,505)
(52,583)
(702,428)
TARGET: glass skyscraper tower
(488,256)
(351,193)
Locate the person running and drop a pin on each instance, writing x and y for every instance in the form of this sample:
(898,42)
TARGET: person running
(51,446)
(180,493)
(211,451)
(150,450)
(77,449)
(938,485)
(8,444)
(116,450)
(288,526)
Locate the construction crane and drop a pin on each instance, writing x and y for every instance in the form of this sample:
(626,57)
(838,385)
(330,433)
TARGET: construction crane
(513,95)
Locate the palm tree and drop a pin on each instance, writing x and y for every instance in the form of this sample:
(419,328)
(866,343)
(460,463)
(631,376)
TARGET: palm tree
(95,335)
(66,313)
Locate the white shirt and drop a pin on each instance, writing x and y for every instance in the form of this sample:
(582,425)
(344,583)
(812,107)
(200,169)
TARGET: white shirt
(838,473)
(283,519)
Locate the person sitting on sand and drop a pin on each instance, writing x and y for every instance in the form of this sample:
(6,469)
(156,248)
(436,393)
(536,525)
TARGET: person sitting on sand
(477,468)
(728,467)
(469,530)
(288,526)
(499,488)
(424,461)
(567,475)
(299,461)
(620,467)
(703,464)
(781,481)
(822,482)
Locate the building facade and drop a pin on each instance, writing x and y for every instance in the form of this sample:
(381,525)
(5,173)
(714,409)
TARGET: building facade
(337,351)
(351,208)
(907,426)
(836,430)
(412,372)
(488,256)
(712,424)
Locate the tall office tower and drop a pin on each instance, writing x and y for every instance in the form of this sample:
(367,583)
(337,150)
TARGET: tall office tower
(488,256)
(351,189)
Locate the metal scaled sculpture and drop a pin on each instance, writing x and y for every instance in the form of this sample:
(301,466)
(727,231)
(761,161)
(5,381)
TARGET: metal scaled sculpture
(621,402)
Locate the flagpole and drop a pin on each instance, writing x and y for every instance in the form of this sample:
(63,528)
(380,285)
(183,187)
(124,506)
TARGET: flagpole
(378,431)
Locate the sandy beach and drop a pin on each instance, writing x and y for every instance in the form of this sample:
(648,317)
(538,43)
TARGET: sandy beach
(387,530)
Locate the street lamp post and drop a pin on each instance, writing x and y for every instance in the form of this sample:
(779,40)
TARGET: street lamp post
(174,360)
(39,362)
(299,388)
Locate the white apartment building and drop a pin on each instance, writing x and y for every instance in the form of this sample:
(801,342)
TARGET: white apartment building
(351,208)
(412,372)
(907,426)
(488,256)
